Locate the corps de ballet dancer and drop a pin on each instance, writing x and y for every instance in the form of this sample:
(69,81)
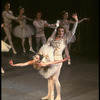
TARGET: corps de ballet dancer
(40,25)
(24,30)
(66,24)
(8,16)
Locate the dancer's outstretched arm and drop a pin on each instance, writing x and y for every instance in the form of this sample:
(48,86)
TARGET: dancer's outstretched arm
(39,64)
(29,18)
(21,64)
(72,32)
(72,22)
(53,62)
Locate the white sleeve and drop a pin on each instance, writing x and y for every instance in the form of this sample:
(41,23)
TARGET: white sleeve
(71,33)
(49,41)
(50,25)
(36,24)
(74,28)
(9,16)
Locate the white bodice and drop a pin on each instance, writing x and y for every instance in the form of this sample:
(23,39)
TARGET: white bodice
(22,21)
(65,24)
(39,25)
(59,46)
(8,17)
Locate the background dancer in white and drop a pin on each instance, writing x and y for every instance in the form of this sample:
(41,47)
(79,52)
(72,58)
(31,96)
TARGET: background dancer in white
(24,30)
(40,25)
(8,17)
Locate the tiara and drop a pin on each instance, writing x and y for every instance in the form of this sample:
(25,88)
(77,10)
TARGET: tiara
(43,54)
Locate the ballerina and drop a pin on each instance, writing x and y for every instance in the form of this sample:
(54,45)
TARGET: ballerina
(23,30)
(66,24)
(58,41)
(52,59)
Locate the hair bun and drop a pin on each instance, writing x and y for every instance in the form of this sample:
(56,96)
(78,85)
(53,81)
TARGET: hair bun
(63,12)
(20,7)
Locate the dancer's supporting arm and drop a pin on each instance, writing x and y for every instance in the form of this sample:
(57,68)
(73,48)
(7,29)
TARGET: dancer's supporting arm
(53,62)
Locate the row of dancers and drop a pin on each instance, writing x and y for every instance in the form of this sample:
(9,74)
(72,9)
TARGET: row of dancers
(48,64)
(23,30)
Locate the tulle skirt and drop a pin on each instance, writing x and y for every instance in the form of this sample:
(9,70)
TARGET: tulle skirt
(48,71)
(5,47)
(23,31)
(48,53)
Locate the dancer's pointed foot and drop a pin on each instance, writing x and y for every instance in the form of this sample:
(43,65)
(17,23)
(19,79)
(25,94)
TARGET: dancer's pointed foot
(49,97)
(32,50)
(46,98)
(14,52)
(24,50)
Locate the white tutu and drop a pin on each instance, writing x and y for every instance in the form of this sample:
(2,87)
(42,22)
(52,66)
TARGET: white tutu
(5,47)
(50,70)
(48,53)
(23,31)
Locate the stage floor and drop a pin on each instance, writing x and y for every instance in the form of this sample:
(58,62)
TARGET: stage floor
(79,81)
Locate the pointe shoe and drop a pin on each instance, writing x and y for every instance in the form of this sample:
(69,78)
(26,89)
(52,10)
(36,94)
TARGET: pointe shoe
(52,96)
(45,98)
(32,50)
(49,97)
(14,52)
(24,50)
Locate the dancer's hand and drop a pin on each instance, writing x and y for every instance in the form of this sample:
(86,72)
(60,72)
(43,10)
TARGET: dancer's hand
(86,19)
(75,17)
(57,23)
(46,24)
(67,58)
(11,62)
(2,25)
(20,18)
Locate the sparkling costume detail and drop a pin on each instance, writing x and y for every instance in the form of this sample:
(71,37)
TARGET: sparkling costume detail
(54,49)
